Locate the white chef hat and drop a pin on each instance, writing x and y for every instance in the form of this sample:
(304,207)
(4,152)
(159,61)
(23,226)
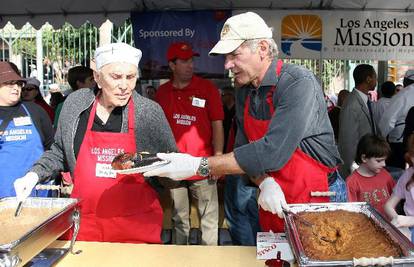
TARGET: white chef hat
(117,52)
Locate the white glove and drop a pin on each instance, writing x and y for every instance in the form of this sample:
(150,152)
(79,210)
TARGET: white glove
(181,166)
(24,185)
(271,197)
(403,221)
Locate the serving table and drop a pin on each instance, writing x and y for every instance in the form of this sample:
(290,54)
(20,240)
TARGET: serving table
(122,254)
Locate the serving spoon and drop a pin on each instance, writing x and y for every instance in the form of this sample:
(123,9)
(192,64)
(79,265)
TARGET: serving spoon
(18,209)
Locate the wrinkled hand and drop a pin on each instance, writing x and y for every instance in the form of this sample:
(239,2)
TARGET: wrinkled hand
(271,197)
(24,185)
(403,221)
(181,166)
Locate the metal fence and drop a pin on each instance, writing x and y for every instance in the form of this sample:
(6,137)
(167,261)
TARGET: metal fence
(49,53)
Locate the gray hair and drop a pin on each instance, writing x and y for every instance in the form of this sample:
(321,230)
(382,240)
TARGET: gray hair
(253,44)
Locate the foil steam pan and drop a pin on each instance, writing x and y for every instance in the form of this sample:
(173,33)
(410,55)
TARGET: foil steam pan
(395,235)
(23,249)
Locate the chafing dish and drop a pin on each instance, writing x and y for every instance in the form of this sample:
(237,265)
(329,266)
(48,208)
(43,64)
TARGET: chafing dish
(406,246)
(22,250)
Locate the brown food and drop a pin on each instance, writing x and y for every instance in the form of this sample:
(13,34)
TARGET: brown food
(343,235)
(13,228)
(123,161)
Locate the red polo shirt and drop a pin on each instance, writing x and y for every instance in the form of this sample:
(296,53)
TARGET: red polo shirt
(190,111)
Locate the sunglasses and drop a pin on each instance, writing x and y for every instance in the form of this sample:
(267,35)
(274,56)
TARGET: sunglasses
(28,89)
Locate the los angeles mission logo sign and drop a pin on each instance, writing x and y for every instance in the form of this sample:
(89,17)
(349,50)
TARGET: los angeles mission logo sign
(373,32)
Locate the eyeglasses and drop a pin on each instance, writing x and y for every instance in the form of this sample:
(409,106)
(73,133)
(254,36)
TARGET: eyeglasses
(12,83)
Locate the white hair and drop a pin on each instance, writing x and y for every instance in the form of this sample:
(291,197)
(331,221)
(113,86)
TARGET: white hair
(273,49)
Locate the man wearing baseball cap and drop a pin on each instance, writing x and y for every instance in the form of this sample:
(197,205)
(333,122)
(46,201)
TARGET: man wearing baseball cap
(195,113)
(285,142)
(392,122)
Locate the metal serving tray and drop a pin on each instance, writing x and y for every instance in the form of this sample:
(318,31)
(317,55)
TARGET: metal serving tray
(406,246)
(22,250)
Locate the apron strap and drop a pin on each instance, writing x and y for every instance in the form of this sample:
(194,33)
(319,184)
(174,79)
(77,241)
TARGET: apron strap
(92,114)
(279,67)
(269,95)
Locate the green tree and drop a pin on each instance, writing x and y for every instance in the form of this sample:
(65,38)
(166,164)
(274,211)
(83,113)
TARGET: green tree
(66,43)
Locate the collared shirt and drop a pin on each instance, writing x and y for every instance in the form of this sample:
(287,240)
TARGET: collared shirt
(300,121)
(189,120)
(363,96)
(367,101)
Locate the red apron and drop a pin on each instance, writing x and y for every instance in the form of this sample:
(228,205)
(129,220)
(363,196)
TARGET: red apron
(114,208)
(298,178)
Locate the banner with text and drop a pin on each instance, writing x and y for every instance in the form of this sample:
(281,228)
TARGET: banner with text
(342,34)
(155,31)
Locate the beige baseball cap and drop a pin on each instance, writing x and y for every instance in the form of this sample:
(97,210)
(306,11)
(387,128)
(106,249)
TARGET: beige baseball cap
(239,28)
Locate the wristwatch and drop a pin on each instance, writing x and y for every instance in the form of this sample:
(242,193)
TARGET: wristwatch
(203,170)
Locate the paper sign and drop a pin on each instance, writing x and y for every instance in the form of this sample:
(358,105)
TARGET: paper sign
(104,170)
(269,244)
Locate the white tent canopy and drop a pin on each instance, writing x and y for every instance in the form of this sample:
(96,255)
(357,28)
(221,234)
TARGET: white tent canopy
(77,12)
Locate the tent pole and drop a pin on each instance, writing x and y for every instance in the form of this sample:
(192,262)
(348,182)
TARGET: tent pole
(39,56)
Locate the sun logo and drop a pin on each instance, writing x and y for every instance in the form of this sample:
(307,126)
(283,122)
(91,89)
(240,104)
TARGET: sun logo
(304,31)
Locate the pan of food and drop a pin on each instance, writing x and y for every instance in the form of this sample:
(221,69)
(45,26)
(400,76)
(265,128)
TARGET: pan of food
(345,234)
(40,222)
(127,163)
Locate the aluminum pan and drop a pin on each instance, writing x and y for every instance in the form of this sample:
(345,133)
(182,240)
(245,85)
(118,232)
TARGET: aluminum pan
(34,241)
(406,246)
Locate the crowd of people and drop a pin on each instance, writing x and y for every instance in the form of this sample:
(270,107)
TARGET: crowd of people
(270,138)
(374,143)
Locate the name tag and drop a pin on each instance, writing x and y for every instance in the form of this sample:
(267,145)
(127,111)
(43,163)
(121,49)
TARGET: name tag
(104,171)
(21,121)
(199,102)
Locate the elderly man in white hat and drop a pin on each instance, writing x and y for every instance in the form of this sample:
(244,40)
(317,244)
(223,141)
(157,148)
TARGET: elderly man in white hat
(392,122)
(94,127)
(284,143)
